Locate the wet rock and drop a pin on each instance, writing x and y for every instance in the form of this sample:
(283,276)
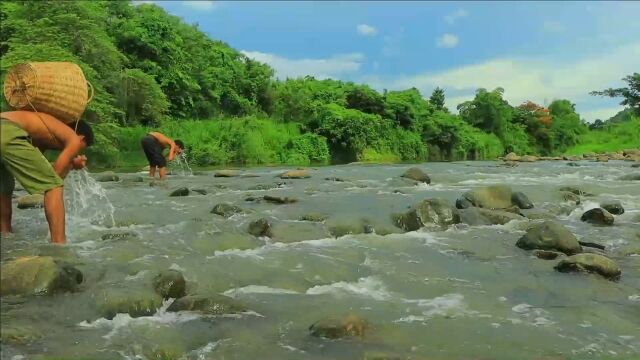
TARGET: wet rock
(478,216)
(537,215)
(463,203)
(313,217)
(260,227)
(547,255)
(591,263)
(33,201)
(263,187)
(603,158)
(107,176)
(490,197)
(416,174)
(226,210)
(295,174)
(597,216)
(636,165)
(528,158)
(226,173)
(574,190)
(38,275)
(135,302)
(118,235)
(429,212)
(332,328)
(279,200)
(521,200)
(549,236)
(570,197)
(214,304)
(183,191)
(613,206)
(512,157)
(170,284)
(573,164)
(630,177)
(200,191)
(336,179)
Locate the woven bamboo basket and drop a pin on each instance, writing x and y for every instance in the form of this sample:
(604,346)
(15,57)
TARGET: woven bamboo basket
(56,88)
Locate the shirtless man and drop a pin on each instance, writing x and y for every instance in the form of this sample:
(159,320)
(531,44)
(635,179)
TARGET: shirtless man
(153,143)
(22,134)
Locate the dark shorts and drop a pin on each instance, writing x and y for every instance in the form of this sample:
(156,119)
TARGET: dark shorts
(153,151)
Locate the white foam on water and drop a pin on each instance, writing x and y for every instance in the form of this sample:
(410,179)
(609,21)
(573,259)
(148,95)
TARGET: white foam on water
(582,208)
(369,287)
(536,315)
(411,319)
(445,305)
(257,289)
(291,348)
(634,297)
(201,353)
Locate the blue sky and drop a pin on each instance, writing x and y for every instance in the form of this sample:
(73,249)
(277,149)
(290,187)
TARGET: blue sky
(536,51)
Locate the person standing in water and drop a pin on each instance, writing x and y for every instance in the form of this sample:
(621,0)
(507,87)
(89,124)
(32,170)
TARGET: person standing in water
(24,137)
(153,143)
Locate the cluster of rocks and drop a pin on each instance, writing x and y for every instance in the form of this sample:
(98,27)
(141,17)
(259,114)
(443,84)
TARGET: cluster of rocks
(627,154)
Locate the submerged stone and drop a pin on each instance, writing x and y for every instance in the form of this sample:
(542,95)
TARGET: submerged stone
(260,227)
(214,304)
(417,174)
(200,191)
(170,284)
(32,201)
(332,328)
(183,191)
(279,199)
(591,263)
(547,254)
(613,206)
(550,236)
(437,212)
(135,302)
(295,174)
(226,210)
(597,216)
(38,275)
(107,176)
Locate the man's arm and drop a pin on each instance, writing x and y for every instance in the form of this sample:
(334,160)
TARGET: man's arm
(64,161)
(167,142)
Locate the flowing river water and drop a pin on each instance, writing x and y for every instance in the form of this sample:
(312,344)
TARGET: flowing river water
(462,293)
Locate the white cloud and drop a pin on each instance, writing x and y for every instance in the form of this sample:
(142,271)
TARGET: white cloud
(455,16)
(447,41)
(366,30)
(200,5)
(553,27)
(539,80)
(332,67)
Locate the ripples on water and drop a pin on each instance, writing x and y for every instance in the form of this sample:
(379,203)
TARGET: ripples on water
(466,292)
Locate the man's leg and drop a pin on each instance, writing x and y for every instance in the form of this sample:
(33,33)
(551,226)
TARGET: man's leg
(163,172)
(152,171)
(54,211)
(5,213)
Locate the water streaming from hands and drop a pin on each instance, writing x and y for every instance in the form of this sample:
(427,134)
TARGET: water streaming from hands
(87,200)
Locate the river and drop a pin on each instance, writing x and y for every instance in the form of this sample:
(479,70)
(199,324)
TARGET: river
(462,293)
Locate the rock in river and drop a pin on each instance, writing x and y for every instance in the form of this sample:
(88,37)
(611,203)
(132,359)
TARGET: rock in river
(550,236)
(31,201)
(135,302)
(260,227)
(417,174)
(490,197)
(214,304)
(592,263)
(38,275)
(521,200)
(170,284)
(226,173)
(226,210)
(332,328)
(295,174)
(597,216)
(107,176)
(183,191)
(279,199)
(438,212)
(478,216)
(512,157)
(613,206)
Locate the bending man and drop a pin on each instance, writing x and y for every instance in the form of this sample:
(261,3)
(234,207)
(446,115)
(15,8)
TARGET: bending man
(153,143)
(24,137)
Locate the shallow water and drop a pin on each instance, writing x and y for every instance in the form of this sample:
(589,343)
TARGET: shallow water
(463,293)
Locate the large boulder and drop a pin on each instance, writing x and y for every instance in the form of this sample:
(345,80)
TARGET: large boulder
(170,284)
(528,158)
(226,173)
(613,206)
(333,328)
(430,212)
(295,174)
(38,275)
(183,191)
(214,304)
(31,201)
(107,176)
(549,235)
(226,210)
(512,157)
(592,263)
(478,216)
(521,200)
(490,197)
(597,216)
(416,174)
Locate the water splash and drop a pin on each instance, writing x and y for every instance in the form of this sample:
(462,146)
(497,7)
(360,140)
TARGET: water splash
(181,160)
(86,199)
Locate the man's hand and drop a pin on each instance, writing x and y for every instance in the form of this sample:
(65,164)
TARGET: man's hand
(79,162)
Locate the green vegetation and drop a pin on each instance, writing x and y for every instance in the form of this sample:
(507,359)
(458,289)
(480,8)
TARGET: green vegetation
(150,70)
(611,137)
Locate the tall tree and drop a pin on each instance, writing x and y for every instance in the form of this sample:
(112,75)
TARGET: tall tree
(630,94)
(488,111)
(437,99)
